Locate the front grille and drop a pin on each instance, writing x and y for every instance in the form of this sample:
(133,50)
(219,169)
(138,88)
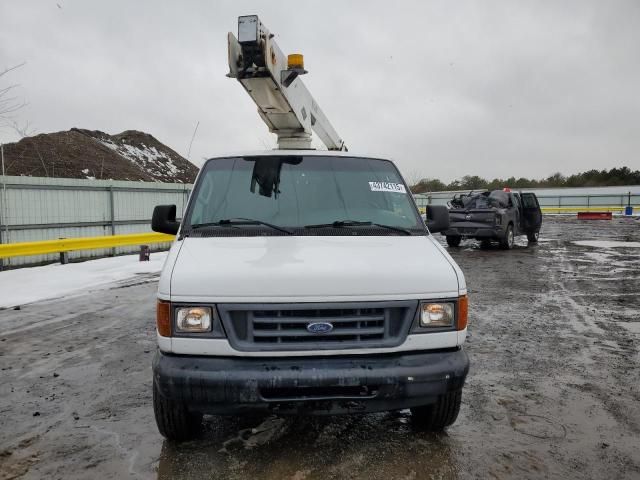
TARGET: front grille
(287,327)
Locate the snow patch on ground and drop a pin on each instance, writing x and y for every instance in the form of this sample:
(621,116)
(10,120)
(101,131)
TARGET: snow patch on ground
(606,244)
(148,158)
(28,285)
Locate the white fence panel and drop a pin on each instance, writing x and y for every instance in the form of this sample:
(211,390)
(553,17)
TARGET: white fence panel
(33,209)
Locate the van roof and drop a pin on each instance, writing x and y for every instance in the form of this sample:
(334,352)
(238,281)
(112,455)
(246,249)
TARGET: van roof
(276,152)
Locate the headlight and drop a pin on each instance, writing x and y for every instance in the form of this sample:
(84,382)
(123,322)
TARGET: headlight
(193,319)
(437,314)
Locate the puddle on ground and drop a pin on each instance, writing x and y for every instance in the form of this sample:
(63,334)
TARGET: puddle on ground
(374,446)
(606,244)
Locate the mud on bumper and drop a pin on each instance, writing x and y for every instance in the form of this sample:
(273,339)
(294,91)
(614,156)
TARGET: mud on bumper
(320,385)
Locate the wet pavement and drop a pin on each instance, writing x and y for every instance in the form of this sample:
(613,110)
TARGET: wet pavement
(554,387)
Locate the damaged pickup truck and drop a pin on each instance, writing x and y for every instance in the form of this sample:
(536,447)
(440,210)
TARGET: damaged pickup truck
(498,215)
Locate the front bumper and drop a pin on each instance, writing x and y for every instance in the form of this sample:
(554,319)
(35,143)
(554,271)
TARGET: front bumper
(303,385)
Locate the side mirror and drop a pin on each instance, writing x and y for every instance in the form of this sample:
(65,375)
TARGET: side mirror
(437,218)
(164,219)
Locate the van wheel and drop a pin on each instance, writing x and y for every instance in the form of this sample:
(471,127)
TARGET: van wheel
(439,415)
(454,240)
(533,237)
(506,242)
(174,421)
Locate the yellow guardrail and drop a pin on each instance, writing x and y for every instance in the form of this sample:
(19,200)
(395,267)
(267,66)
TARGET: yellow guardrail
(8,250)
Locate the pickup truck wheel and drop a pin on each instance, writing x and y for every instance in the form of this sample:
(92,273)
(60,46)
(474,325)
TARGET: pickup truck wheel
(533,237)
(174,421)
(439,415)
(506,242)
(454,240)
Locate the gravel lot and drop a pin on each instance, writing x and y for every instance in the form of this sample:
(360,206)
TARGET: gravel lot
(554,388)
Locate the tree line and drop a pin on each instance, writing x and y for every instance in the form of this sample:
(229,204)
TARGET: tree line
(591,178)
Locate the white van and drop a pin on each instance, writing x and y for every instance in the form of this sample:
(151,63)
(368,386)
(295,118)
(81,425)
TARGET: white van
(306,282)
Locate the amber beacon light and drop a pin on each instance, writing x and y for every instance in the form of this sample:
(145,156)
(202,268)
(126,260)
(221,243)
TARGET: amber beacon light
(295,60)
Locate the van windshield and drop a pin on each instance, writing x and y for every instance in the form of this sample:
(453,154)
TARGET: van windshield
(305,195)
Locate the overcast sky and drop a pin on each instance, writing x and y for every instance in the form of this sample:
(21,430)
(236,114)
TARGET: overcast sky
(444,88)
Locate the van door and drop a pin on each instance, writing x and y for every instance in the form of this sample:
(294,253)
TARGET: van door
(531,212)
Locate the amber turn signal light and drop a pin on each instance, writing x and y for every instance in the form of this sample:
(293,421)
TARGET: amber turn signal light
(463,311)
(163,318)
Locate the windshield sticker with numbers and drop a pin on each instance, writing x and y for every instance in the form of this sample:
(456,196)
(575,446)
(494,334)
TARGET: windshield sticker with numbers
(387,187)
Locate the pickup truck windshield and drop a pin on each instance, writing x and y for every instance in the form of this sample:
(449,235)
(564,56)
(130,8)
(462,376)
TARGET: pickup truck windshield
(305,194)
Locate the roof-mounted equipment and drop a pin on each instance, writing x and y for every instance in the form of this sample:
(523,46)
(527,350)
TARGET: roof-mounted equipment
(273,82)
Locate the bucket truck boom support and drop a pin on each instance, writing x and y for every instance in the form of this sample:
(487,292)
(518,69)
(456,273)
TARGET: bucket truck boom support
(273,81)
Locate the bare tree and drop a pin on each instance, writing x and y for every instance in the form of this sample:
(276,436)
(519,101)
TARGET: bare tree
(22,129)
(412,177)
(9,103)
(44,166)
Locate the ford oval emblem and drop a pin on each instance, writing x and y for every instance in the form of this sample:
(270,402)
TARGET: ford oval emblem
(468,217)
(320,327)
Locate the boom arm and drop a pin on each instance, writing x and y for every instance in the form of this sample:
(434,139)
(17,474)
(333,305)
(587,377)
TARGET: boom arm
(283,101)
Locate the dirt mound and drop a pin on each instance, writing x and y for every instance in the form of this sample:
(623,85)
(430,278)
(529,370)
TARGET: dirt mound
(79,153)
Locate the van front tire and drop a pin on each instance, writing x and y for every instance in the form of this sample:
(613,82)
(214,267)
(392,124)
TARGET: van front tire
(439,415)
(174,421)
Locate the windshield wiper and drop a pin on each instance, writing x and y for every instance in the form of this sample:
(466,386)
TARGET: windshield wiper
(232,222)
(357,223)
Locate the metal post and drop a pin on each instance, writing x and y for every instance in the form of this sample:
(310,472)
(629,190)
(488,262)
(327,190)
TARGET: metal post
(112,210)
(3,214)
(145,253)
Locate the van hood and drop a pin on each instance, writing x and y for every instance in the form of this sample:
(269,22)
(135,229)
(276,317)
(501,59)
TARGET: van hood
(309,268)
